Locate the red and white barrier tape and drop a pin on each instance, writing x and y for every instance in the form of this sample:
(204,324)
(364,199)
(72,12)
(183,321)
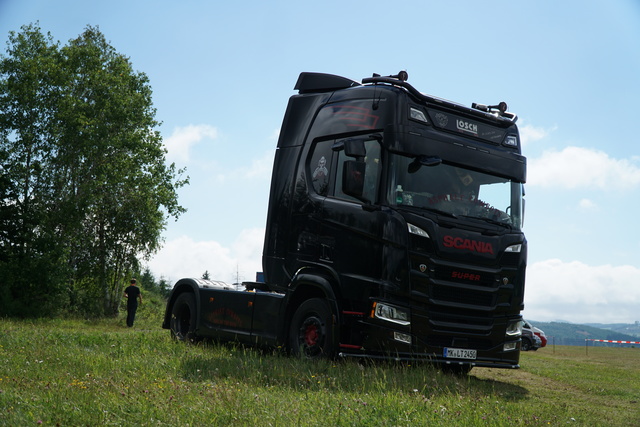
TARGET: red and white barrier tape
(617,342)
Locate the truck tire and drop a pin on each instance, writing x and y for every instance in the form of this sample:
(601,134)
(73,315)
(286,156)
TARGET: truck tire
(183,318)
(526,344)
(459,370)
(311,333)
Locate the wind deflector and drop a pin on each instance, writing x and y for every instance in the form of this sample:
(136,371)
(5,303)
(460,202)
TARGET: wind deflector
(320,82)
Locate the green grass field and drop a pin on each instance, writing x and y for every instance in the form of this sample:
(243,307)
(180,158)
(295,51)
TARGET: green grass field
(77,373)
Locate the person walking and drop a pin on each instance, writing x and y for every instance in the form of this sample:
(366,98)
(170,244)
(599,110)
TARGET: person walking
(133,294)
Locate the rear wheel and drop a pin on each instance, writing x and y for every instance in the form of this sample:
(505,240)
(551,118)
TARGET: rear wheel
(311,333)
(183,318)
(526,344)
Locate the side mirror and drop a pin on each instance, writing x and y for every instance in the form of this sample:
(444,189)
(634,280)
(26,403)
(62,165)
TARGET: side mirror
(354,147)
(423,161)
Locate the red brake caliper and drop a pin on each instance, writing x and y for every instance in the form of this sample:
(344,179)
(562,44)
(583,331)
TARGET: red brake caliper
(311,335)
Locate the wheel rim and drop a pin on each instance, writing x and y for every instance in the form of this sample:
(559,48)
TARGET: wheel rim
(311,337)
(183,321)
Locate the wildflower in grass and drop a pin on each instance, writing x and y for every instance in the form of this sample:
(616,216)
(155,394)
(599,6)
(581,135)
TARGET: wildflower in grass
(78,384)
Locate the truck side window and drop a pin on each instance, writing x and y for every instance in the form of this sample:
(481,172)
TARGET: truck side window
(372,159)
(320,167)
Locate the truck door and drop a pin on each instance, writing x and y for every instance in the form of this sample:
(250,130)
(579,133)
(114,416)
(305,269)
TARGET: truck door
(350,231)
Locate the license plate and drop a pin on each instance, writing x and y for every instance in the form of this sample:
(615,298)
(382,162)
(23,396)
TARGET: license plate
(459,353)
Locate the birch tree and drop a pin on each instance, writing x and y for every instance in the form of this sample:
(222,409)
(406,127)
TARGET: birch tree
(87,163)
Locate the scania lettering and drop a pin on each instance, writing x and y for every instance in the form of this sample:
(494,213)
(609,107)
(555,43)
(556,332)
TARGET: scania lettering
(467,244)
(390,234)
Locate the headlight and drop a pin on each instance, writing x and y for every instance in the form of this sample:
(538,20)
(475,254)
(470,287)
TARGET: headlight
(417,231)
(390,313)
(514,329)
(514,248)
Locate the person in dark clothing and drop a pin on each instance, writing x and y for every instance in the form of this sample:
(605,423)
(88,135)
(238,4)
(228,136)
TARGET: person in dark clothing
(133,294)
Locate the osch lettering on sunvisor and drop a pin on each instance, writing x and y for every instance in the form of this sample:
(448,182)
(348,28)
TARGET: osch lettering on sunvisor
(458,124)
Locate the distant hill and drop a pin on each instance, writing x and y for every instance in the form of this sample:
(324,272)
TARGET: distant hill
(623,328)
(562,333)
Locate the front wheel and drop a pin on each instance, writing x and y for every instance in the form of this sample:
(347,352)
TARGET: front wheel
(312,333)
(183,318)
(459,370)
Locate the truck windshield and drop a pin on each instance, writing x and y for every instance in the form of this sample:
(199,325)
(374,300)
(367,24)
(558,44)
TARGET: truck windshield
(456,191)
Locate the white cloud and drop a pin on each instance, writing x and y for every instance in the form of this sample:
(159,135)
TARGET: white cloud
(529,133)
(260,168)
(555,290)
(587,204)
(582,293)
(248,251)
(578,167)
(275,135)
(185,257)
(183,138)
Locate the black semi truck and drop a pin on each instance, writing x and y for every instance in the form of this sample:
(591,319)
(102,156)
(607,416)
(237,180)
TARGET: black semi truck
(394,231)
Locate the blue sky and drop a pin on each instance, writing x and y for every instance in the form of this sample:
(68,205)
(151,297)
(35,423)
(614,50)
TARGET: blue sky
(222,73)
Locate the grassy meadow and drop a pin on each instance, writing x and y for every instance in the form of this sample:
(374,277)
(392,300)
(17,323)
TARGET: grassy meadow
(86,373)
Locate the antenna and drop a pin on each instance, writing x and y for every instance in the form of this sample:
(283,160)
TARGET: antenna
(238,277)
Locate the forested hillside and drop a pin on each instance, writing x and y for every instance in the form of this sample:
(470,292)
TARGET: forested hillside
(623,328)
(562,333)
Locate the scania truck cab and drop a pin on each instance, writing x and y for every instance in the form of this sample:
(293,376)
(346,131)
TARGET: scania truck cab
(394,231)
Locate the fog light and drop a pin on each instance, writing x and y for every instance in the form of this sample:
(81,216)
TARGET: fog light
(418,115)
(510,346)
(511,141)
(399,336)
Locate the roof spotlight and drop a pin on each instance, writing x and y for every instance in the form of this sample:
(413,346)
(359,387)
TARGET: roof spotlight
(502,107)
